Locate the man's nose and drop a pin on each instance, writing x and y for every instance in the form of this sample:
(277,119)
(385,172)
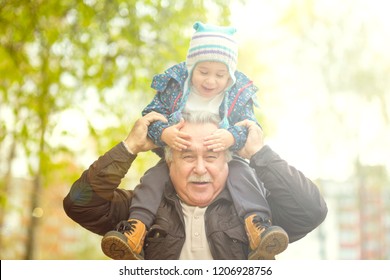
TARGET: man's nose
(200,167)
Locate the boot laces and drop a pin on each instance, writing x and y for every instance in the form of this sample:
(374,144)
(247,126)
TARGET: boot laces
(261,223)
(126,226)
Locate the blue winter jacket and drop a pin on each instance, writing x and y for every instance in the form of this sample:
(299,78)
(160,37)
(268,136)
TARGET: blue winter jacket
(237,105)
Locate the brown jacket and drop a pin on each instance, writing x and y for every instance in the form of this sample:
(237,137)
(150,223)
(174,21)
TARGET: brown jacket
(96,203)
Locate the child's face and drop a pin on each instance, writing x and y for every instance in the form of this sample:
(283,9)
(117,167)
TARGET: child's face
(210,78)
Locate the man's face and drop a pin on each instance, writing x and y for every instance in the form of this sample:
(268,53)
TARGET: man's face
(198,174)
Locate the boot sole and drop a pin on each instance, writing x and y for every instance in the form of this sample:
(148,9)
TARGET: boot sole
(272,243)
(114,245)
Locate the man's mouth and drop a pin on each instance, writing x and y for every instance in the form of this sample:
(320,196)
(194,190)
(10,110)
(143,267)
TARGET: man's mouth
(200,183)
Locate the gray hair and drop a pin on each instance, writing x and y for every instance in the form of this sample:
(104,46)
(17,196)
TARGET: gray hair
(201,117)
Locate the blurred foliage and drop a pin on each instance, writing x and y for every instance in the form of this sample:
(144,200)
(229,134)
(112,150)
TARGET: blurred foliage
(70,56)
(72,69)
(346,46)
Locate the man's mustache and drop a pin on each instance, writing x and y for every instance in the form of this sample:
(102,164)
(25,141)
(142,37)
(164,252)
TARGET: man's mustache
(200,179)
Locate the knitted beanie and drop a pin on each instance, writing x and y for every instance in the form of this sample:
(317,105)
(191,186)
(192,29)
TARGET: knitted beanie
(213,43)
(209,43)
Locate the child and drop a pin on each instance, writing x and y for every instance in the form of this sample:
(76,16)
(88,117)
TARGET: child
(207,81)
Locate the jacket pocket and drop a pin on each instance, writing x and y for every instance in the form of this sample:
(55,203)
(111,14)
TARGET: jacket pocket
(230,244)
(162,246)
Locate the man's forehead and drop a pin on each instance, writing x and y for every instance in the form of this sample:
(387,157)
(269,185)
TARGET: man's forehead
(199,131)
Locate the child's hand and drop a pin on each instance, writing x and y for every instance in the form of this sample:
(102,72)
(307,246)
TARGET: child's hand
(219,141)
(174,138)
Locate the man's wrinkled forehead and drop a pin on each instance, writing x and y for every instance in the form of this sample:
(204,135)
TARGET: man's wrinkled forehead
(199,131)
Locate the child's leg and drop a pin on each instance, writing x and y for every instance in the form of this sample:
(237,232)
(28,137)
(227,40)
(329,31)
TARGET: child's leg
(249,198)
(126,241)
(248,194)
(148,194)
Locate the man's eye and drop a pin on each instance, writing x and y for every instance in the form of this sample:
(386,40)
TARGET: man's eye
(211,158)
(188,157)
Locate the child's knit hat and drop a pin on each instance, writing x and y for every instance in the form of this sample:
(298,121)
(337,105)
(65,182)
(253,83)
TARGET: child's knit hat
(209,43)
(213,43)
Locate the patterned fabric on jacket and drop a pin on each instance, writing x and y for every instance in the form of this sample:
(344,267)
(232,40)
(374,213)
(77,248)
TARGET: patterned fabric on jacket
(237,105)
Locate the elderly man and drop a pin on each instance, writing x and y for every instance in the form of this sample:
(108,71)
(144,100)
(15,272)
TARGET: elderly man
(196,218)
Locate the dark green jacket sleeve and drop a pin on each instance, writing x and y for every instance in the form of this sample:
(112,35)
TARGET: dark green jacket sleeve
(296,203)
(94,200)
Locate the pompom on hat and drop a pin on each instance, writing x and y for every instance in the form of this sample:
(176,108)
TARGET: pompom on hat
(213,43)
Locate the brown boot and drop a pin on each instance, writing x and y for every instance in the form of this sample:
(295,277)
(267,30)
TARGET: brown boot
(265,240)
(126,242)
